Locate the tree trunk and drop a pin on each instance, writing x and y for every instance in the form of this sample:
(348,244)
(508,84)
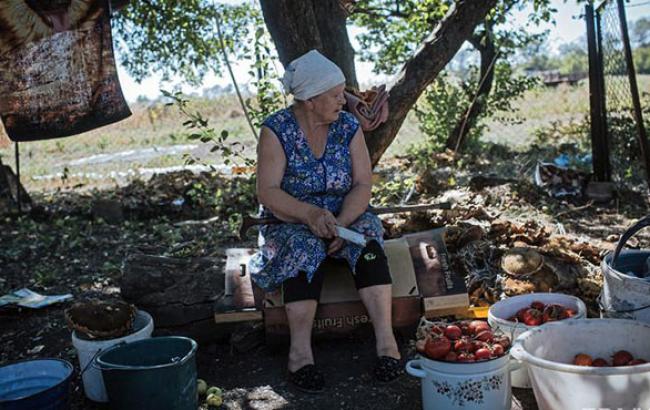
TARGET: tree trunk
(440,47)
(298,26)
(485,46)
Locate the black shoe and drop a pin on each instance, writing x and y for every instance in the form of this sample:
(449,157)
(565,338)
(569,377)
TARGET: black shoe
(388,369)
(308,379)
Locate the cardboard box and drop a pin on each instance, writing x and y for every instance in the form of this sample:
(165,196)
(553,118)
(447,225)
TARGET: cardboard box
(423,284)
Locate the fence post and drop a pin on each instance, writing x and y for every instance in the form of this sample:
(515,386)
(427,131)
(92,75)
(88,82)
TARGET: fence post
(634,91)
(599,148)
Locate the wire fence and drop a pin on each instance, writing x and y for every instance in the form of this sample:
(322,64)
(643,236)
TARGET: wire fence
(619,109)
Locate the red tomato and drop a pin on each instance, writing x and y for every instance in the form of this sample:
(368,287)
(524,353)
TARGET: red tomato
(504,341)
(477,326)
(537,305)
(621,358)
(436,330)
(600,362)
(485,336)
(498,350)
(478,344)
(521,313)
(437,348)
(570,312)
(453,332)
(552,313)
(582,359)
(462,345)
(466,357)
(636,361)
(451,357)
(532,317)
(482,354)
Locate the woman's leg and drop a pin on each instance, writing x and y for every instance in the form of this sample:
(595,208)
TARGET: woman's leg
(375,289)
(301,318)
(378,300)
(300,302)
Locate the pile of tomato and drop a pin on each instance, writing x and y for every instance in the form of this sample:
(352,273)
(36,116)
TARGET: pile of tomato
(464,341)
(539,313)
(620,358)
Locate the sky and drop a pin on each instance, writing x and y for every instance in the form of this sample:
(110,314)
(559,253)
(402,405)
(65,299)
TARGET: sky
(569,26)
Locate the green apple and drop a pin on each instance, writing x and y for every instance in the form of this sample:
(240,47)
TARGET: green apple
(201,386)
(214,400)
(214,390)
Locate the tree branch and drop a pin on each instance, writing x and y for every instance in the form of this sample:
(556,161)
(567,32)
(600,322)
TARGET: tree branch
(420,71)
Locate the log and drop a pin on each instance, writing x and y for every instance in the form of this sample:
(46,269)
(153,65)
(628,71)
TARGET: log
(179,293)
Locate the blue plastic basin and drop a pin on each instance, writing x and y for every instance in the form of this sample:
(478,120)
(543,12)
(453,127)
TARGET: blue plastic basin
(39,384)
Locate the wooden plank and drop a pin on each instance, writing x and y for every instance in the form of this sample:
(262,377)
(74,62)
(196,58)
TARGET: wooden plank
(238,316)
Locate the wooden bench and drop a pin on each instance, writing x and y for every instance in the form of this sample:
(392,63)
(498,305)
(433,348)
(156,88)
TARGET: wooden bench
(423,285)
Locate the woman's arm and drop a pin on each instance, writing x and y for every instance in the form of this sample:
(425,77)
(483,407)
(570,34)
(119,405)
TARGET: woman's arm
(271,164)
(356,201)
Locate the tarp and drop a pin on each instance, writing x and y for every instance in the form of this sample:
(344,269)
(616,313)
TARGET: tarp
(57,70)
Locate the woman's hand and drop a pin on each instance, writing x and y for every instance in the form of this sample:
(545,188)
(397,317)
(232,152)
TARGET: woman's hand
(335,245)
(321,222)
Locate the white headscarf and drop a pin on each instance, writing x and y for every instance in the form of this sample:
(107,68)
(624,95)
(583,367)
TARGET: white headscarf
(311,74)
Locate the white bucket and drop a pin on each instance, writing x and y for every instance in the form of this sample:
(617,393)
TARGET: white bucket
(500,312)
(88,349)
(624,295)
(548,351)
(469,386)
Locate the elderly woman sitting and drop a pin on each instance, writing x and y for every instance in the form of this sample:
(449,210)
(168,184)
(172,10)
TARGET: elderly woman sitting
(314,173)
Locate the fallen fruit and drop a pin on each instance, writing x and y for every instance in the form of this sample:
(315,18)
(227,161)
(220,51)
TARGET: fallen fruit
(214,390)
(214,400)
(201,386)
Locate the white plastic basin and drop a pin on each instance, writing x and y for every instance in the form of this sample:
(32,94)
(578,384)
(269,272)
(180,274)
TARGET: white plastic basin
(548,351)
(500,312)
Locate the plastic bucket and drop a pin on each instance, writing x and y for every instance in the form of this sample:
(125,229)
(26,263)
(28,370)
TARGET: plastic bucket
(468,386)
(88,349)
(156,373)
(499,313)
(548,351)
(39,384)
(626,295)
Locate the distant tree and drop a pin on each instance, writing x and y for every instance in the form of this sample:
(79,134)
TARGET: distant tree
(642,60)
(573,57)
(641,32)
(395,30)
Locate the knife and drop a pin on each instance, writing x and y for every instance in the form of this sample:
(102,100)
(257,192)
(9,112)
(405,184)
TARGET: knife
(351,236)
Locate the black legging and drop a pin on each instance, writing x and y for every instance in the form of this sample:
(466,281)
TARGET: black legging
(371,270)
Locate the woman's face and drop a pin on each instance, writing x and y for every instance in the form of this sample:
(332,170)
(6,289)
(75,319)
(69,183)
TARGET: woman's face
(328,105)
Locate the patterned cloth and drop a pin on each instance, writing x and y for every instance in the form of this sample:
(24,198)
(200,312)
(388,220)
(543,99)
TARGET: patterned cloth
(287,249)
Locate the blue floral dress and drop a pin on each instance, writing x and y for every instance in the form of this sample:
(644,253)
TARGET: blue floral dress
(287,249)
